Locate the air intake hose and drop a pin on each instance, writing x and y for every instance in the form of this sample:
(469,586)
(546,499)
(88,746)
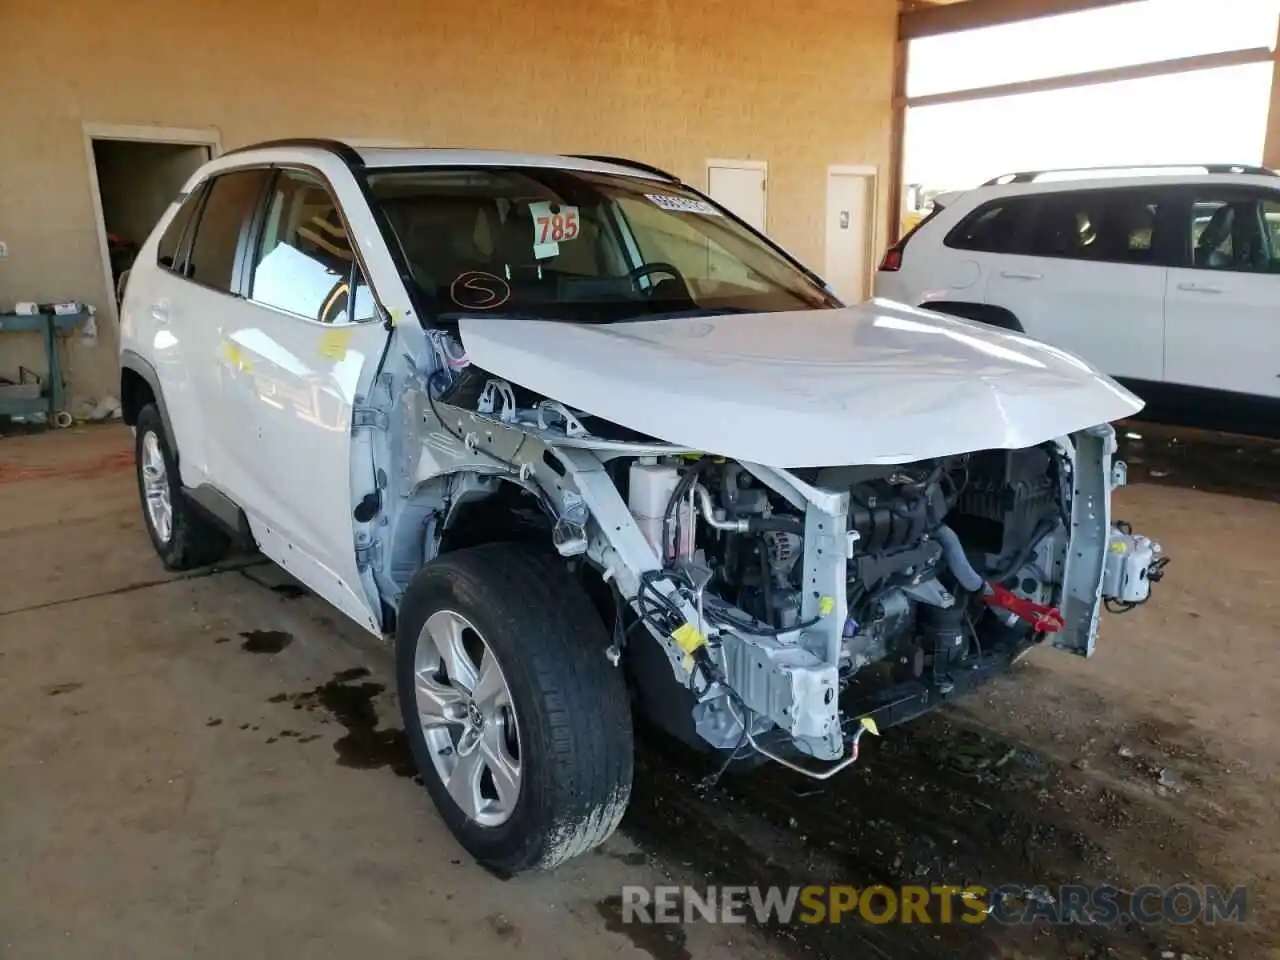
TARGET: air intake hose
(959,564)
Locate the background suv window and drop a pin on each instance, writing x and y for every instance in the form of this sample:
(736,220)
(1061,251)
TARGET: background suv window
(305,262)
(1235,234)
(232,199)
(167,252)
(993,228)
(1115,226)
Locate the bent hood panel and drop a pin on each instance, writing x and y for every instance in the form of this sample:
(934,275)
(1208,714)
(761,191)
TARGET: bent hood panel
(878,383)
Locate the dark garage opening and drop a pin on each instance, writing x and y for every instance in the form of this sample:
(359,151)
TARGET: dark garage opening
(137,181)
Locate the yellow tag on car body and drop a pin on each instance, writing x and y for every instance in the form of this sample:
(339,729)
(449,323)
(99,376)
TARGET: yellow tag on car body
(333,345)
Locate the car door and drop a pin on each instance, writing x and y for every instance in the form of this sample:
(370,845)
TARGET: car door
(1223,300)
(302,351)
(209,303)
(1086,276)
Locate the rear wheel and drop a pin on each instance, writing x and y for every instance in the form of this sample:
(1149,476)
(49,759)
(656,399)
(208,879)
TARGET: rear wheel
(519,724)
(183,537)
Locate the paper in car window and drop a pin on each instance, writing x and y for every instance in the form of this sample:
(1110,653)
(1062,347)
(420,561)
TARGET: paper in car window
(553,224)
(676,204)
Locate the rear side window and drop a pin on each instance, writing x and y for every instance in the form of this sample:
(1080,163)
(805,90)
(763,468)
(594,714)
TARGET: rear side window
(996,227)
(1109,226)
(1239,233)
(170,243)
(223,222)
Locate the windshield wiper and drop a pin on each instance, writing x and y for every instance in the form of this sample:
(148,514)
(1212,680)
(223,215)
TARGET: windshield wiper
(453,316)
(695,312)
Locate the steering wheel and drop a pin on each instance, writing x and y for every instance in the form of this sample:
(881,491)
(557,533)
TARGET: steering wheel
(659,267)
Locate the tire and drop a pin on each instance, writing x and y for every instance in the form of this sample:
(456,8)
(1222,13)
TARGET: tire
(521,609)
(191,539)
(121,283)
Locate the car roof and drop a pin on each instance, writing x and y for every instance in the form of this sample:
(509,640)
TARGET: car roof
(382,157)
(1074,181)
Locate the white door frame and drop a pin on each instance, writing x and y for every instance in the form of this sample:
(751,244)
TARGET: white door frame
(761,165)
(210,137)
(871,173)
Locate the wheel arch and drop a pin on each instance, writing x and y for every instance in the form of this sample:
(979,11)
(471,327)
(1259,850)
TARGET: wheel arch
(140,385)
(459,509)
(484,507)
(987,313)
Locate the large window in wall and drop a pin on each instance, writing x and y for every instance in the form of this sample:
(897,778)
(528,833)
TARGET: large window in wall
(1199,116)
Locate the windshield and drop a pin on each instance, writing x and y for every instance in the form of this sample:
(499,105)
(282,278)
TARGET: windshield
(581,247)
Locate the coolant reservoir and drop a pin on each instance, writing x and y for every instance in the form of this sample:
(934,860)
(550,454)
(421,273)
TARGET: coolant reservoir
(651,486)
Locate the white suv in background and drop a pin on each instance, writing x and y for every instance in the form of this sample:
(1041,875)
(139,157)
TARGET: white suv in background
(1166,278)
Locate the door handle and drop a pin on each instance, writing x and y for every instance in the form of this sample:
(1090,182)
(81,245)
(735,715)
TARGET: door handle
(160,311)
(1016,275)
(1199,288)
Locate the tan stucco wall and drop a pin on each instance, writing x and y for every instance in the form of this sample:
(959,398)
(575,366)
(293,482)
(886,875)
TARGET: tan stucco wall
(801,85)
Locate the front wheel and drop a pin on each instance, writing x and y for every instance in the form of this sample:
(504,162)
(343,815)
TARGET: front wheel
(519,724)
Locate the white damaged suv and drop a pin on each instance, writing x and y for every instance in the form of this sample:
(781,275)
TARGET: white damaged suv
(579,440)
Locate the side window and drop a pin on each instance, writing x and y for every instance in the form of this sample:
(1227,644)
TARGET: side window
(305,264)
(362,303)
(1235,234)
(1112,226)
(167,251)
(994,228)
(224,220)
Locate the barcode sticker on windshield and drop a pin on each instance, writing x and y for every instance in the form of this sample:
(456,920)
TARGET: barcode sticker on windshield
(552,227)
(682,204)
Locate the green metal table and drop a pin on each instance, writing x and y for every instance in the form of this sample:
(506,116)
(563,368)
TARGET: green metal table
(52,396)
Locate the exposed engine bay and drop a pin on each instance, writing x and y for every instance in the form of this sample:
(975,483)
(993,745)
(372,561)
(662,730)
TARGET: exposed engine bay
(951,566)
(788,612)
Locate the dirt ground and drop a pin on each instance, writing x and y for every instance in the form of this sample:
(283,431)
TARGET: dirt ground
(210,765)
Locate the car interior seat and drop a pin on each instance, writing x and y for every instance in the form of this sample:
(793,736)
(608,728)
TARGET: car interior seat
(1214,247)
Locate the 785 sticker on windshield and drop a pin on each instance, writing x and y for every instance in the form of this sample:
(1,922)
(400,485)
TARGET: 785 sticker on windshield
(676,204)
(552,227)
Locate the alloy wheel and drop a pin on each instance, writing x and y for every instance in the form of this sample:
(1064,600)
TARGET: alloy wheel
(464,706)
(155,486)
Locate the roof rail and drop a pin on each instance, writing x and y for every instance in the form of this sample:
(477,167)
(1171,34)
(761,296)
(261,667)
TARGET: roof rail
(624,162)
(348,154)
(1030,176)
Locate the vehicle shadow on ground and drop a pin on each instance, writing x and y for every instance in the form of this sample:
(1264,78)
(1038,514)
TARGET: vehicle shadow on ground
(1200,460)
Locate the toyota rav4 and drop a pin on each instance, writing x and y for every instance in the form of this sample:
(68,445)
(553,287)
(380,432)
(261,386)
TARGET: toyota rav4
(579,440)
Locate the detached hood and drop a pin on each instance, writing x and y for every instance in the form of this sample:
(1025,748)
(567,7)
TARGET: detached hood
(878,383)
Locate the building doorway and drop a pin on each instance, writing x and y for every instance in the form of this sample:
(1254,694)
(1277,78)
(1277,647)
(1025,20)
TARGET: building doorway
(136,173)
(740,186)
(851,193)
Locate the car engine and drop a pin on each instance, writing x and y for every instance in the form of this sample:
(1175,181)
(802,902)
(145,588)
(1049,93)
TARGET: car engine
(912,526)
